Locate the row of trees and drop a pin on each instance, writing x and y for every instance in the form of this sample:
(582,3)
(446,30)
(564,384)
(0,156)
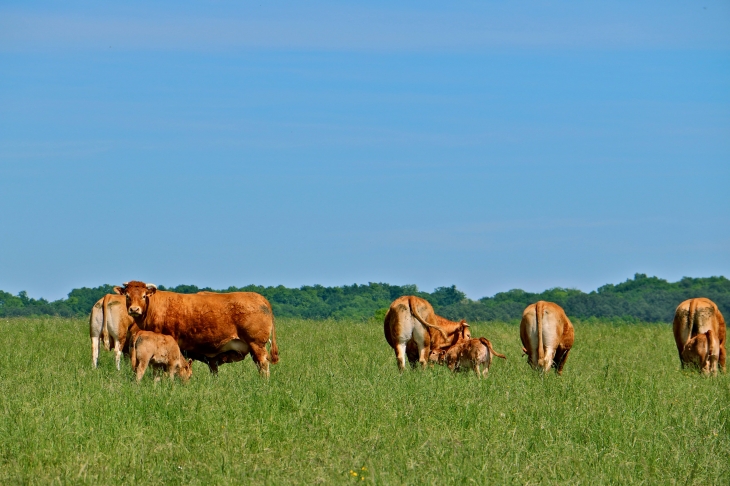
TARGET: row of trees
(641,299)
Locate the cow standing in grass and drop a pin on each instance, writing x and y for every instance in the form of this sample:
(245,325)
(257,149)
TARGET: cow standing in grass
(211,327)
(110,323)
(699,331)
(412,322)
(547,336)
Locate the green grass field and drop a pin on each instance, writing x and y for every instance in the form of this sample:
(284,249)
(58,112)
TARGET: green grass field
(336,410)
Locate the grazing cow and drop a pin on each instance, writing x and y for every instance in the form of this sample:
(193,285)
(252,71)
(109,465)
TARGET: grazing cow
(699,331)
(162,352)
(547,336)
(210,327)
(472,353)
(110,321)
(411,322)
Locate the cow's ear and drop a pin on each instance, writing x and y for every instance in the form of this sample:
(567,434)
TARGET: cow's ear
(151,289)
(119,290)
(190,362)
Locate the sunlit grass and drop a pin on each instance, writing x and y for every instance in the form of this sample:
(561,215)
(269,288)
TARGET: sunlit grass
(336,410)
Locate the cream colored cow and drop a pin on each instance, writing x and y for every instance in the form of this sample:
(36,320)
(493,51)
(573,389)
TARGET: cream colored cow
(408,319)
(110,323)
(547,335)
(699,332)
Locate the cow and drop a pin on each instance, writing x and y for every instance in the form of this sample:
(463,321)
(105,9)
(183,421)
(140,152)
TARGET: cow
(699,331)
(472,353)
(412,323)
(110,323)
(211,327)
(547,336)
(162,352)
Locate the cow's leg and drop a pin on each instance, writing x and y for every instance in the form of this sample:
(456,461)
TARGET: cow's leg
(261,358)
(721,360)
(212,366)
(712,368)
(419,336)
(477,370)
(561,361)
(546,363)
(94,351)
(118,352)
(400,355)
(141,368)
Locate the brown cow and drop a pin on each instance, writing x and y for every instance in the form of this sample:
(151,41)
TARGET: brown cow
(547,336)
(162,352)
(693,319)
(411,318)
(472,353)
(110,322)
(214,328)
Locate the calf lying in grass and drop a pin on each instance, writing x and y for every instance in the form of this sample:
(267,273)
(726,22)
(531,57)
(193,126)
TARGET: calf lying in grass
(472,353)
(162,352)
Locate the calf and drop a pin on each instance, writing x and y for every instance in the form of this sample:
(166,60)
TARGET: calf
(162,352)
(703,351)
(472,353)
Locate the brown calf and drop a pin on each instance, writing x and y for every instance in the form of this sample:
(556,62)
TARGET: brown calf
(472,353)
(162,352)
(702,351)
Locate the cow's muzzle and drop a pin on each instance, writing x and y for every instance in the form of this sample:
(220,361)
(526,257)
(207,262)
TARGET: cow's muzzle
(134,311)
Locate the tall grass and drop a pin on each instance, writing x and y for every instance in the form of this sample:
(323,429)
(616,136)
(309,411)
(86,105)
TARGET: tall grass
(336,410)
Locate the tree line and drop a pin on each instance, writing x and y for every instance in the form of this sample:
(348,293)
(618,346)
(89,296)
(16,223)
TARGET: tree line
(641,299)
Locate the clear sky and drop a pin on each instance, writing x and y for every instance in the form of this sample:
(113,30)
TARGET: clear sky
(490,145)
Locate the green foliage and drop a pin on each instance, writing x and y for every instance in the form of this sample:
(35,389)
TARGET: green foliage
(622,413)
(648,299)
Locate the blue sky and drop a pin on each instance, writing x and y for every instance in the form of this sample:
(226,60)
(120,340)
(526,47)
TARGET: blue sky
(491,145)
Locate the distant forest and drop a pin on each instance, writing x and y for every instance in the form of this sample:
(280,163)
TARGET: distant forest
(641,299)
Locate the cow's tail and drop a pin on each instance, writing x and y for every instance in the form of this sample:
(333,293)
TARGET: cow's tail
(691,317)
(104,326)
(539,311)
(274,350)
(412,303)
(488,344)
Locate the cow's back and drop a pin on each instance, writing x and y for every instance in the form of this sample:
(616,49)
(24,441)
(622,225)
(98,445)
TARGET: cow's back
(209,318)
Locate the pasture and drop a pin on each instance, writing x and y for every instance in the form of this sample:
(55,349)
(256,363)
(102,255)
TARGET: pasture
(337,411)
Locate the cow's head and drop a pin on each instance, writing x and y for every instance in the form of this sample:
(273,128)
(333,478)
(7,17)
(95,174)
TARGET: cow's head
(137,294)
(699,349)
(186,368)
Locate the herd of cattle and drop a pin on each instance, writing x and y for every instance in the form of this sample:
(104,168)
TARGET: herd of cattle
(169,330)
